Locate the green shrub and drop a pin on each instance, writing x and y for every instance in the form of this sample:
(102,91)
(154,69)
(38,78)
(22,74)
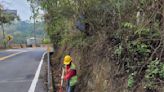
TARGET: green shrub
(154,72)
(131,80)
(119,50)
(46,41)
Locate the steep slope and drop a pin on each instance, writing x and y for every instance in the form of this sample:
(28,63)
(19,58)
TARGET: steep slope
(118,46)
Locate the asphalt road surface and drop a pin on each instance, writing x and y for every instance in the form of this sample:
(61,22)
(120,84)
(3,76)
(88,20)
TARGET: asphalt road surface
(19,69)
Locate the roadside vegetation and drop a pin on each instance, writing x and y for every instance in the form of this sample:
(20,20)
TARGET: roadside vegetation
(5,18)
(117,45)
(15,31)
(22,30)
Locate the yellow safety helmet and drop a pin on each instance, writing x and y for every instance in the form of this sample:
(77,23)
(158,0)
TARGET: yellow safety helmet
(67,60)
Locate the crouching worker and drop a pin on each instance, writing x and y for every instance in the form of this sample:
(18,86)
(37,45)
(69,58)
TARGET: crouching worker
(70,74)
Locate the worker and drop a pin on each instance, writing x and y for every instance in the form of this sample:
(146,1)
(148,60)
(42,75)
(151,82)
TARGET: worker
(70,74)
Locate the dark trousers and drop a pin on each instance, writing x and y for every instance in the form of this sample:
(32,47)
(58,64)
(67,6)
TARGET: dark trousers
(70,88)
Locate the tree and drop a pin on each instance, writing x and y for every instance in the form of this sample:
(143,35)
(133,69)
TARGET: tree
(4,19)
(35,10)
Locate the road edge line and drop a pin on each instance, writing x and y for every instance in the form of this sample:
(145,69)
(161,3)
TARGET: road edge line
(35,80)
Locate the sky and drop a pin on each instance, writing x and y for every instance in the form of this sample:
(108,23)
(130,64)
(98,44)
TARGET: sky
(22,7)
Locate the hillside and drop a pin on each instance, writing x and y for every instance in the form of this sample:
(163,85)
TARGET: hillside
(117,45)
(22,30)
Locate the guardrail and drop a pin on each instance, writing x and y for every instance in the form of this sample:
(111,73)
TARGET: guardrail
(49,72)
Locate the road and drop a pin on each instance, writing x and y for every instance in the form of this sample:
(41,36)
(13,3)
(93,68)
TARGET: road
(18,70)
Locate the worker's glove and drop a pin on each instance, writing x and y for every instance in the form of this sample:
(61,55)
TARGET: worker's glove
(62,78)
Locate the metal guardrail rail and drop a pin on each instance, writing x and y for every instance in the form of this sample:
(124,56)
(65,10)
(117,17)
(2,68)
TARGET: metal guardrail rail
(49,72)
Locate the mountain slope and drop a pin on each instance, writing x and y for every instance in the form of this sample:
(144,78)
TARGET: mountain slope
(23,30)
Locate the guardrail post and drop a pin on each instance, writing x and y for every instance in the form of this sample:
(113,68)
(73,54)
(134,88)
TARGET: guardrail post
(48,75)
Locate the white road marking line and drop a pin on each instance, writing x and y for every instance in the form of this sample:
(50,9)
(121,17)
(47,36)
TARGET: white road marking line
(13,50)
(35,80)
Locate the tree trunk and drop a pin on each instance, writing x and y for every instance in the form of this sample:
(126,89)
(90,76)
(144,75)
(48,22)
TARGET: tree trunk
(4,43)
(35,30)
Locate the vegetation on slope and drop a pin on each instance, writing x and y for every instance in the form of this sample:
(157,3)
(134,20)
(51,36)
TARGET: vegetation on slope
(121,48)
